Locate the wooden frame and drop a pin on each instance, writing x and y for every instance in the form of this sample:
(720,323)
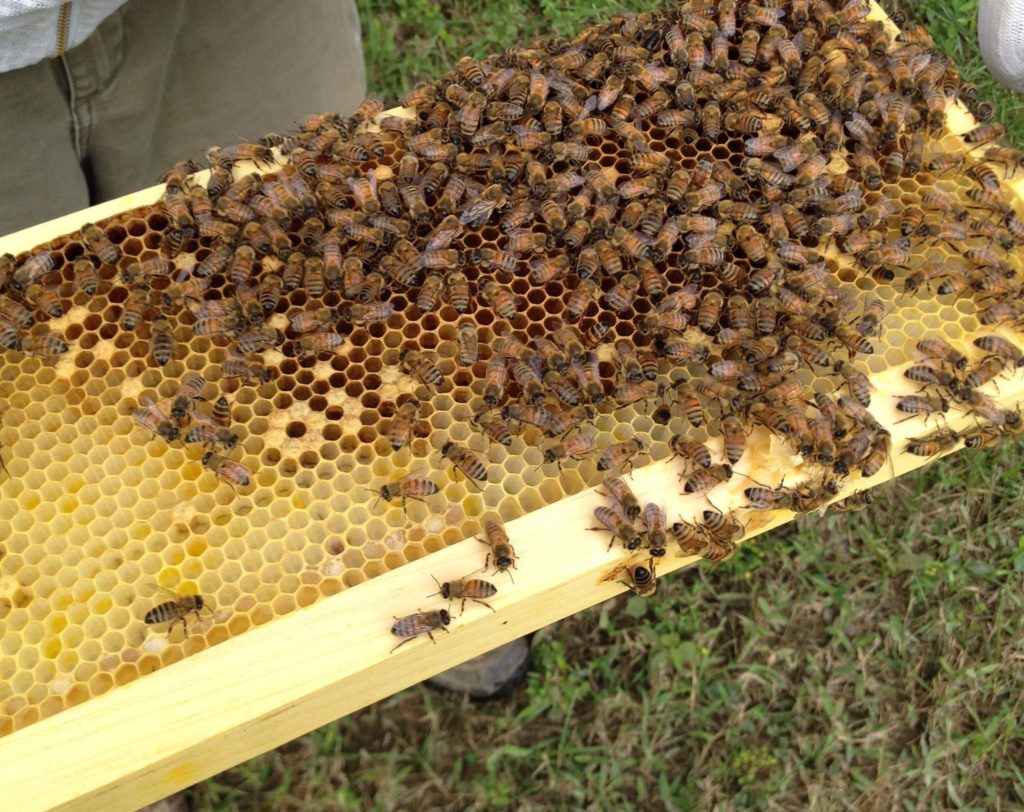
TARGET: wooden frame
(188,721)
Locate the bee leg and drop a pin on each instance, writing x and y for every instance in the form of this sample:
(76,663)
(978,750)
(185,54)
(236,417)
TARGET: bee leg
(406,640)
(484,603)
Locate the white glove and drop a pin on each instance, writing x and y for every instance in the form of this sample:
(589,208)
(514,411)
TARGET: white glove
(1001,36)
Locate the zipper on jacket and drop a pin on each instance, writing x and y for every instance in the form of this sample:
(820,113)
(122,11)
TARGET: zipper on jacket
(63,26)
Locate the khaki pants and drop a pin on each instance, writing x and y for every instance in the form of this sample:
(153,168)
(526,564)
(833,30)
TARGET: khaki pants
(160,81)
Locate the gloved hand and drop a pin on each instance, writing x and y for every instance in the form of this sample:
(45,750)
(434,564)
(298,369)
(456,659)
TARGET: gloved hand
(1001,36)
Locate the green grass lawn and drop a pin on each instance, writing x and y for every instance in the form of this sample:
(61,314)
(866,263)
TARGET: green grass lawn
(871,661)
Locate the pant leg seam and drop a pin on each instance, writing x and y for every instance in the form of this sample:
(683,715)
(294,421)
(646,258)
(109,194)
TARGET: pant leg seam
(76,124)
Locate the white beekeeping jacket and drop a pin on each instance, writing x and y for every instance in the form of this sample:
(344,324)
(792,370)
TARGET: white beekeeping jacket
(33,30)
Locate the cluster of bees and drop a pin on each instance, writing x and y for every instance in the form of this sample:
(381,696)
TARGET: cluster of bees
(686,187)
(477,590)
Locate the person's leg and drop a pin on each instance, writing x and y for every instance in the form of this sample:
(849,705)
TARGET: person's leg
(40,177)
(199,73)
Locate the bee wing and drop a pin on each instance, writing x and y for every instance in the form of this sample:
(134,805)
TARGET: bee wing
(157,589)
(441,238)
(237,467)
(148,404)
(477,213)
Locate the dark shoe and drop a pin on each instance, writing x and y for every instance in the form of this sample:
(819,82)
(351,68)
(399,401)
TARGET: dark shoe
(489,676)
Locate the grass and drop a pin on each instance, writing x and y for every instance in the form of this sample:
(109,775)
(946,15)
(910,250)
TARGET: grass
(870,661)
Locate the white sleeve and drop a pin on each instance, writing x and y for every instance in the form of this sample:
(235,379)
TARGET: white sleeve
(12,8)
(1001,36)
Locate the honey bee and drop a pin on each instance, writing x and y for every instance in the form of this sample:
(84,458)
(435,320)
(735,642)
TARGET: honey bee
(212,437)
(937,348)
(931,376)
(574,447)
(710,311)
(619,456)
(586,370)
(504,302)
(984,132)
(161,341)
(96,240)
(9,338)
(1000,312)
(32,270)
(216,262)
(227,157)
(429,295)
(135,308)
(502,553)
(400,431)
(640,578)
(364,190)
(410,487)
(934,444)
(703,480)
(983,437)
(529,380)
(619,526)
(490,200)
(189,391)
(918,404)
(221,411)
(722,530)
(412,626)
(466,461)
(473,589)
(258,339)
(314,343)
(546,269)
(422,367)
(620,297)
(987,409)
(1006,351)
(174,610)
(495,380)
(1010,159)
(250,370)
(46,299)
(234,473)
(623,496)
(150,417)
(314,319)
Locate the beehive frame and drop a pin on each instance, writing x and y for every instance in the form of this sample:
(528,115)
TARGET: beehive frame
(219,706)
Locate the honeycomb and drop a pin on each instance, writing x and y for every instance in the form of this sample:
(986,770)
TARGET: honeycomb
(601,178)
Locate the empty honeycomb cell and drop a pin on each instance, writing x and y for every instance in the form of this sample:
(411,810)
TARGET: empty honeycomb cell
(264,613)
(99,682)
(27,716)
(113,642)
(9,646)
(27,658)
